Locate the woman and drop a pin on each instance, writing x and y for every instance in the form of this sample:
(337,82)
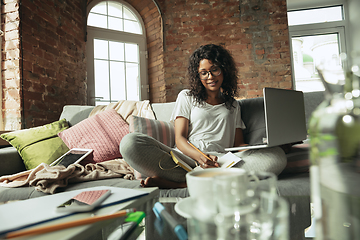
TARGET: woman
(206,116)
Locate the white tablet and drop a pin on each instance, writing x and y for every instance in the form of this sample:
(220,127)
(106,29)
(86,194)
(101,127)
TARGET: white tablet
(74,155)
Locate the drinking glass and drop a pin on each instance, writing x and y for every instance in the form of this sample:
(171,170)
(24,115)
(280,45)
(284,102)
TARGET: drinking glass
(268,221)
(231,192)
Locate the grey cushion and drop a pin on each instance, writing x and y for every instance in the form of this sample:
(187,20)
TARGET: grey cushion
(75,113)
(163,111)
(10,161)
(312,100)
(252,113)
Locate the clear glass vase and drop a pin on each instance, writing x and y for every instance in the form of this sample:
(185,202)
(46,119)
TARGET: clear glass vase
(334,131)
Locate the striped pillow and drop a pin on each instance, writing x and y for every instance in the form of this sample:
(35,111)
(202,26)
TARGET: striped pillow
(160,130)
(297,159)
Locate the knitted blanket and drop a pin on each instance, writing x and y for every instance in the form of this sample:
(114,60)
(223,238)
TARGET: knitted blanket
(126,108)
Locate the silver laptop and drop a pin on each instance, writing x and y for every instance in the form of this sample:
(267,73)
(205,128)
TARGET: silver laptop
(284,118)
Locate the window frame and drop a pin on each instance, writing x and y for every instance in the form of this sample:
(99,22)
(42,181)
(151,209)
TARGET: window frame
(338,27)
(119,36)
(314,8)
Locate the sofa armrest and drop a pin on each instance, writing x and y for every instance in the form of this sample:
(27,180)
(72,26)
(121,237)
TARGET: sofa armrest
(10,161)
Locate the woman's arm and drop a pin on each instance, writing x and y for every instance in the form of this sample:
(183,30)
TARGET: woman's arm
(181,140)
(239,138)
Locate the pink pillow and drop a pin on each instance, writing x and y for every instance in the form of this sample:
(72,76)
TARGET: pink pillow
(101,132)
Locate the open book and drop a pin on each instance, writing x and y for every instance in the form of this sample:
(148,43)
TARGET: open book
(226,161)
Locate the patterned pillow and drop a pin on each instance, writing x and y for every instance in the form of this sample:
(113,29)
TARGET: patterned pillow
(160,130)
(101,132)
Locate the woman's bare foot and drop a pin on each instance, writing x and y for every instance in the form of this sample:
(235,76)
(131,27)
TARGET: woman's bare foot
(161,183)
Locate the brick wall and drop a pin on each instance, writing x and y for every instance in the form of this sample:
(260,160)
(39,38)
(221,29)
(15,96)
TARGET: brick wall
(44,65)
(53,51)
(255,31)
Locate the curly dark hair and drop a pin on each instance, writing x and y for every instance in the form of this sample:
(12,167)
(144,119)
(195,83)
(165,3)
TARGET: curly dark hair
(220,57)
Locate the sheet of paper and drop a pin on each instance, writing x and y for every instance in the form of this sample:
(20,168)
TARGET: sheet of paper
(30,212)
(228,160)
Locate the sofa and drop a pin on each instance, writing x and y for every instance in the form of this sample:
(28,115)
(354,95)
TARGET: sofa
(293,182)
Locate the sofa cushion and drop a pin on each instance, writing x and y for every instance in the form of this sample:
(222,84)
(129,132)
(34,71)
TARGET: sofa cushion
(160,130)
(10,161)
(163,111)
(4,143)
(39,144)
(75,113)
(311,101)
(253,115)
(101,132)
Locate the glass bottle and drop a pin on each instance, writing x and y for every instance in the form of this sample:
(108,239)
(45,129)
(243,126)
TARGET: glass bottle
(334,131)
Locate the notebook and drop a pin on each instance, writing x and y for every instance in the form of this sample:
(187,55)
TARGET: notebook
(284,118)
(226,161)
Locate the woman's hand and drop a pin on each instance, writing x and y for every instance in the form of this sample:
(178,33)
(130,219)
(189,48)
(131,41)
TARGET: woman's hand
(181,140)
(205,162)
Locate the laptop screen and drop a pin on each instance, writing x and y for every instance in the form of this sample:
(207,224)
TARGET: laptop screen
(284,116)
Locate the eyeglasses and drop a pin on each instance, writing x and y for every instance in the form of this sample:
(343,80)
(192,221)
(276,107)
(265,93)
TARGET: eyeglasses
(216,71)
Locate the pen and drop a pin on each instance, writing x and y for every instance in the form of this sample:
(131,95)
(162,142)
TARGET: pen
(75,223)
(178,229)
(192,145)
(134,219)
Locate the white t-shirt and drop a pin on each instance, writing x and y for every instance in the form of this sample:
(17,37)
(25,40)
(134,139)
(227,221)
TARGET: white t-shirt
(211,128)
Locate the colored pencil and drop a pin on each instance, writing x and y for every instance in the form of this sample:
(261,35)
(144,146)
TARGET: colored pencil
(192,145)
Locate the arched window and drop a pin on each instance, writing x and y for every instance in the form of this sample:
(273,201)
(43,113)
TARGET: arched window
(116,53)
